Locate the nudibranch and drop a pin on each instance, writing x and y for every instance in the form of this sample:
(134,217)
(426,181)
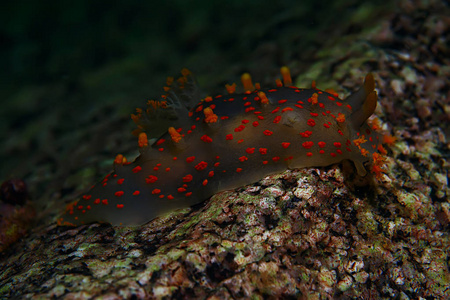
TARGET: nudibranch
(192,148)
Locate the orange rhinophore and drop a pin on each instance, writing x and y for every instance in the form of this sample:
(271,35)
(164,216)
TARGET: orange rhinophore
(247,82)
(176,137)
(287,80)
(210,116)
(120,159)
(142,140)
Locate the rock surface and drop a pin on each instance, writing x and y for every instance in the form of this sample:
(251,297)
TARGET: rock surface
(309,233)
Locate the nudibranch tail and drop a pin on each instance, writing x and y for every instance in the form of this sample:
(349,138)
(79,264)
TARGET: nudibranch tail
(363,102)
(202,146)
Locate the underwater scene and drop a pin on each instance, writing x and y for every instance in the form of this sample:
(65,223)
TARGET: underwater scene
(225,150)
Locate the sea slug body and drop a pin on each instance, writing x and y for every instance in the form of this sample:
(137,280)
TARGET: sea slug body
(223,142)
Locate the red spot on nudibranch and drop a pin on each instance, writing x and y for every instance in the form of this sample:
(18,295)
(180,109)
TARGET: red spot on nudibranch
(151,179)
(120,205)
(311,122)
(255,123)
(201,166)
(137,169)
(160,141)
(250,150)
(306,134)
(156,191)
(119,193)
(135,193)
(120,181)
(206,139)
(243,158)
(263,151)
(229,137)
(188,178)
(268,132)
(105,201)
(285,145)
(277,119)
(287,109)
(276,158)
(337,144)
(308,144)
(321,144)
(239,170)
(239,128)
(190,159)
(211,174)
